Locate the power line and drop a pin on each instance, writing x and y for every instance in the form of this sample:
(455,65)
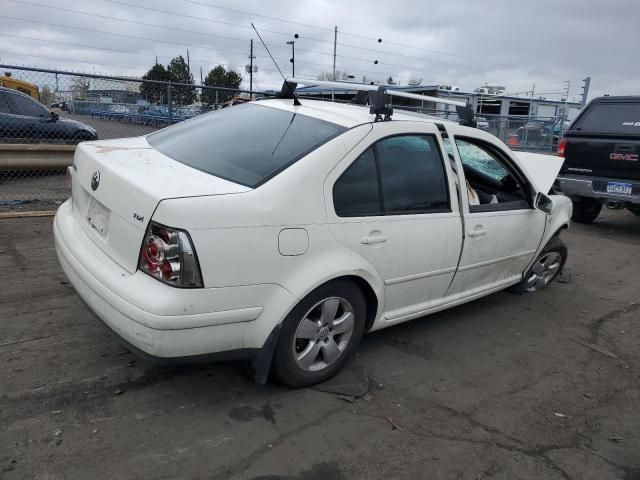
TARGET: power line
(408,67)
(207,19)
(182,45)
(80,12)
(144,54)
(152,54)
(355,35)
(72,61)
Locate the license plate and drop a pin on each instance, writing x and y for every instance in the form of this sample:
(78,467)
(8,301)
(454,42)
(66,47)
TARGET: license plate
(619,188)
(98,216)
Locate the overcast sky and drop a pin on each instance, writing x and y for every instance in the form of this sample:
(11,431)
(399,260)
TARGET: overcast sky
(466,43)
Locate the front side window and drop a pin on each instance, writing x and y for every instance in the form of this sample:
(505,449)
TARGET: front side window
(491,185)
(246,144)
(397,175)
(26,106)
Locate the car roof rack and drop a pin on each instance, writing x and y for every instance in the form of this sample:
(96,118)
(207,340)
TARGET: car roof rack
(379,98)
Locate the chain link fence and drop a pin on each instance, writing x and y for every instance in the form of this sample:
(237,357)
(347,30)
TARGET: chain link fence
(45,113)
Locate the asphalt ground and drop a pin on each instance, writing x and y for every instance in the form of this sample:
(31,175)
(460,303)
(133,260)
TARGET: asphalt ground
(543,385)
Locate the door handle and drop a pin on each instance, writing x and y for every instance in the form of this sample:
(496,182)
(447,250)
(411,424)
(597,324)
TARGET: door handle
(479,231)
(373,239)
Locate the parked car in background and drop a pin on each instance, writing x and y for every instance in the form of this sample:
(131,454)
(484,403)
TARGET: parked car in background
(535,132)
(269,228)
(25,120)
(482,123)
(602,157)
(62,105)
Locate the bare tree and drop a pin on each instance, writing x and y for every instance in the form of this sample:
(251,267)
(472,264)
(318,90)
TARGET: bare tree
(80,87)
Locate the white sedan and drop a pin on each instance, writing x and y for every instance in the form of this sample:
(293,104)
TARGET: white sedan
(282,233)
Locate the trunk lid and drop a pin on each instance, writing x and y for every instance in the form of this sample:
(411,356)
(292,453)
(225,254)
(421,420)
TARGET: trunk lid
(117,185)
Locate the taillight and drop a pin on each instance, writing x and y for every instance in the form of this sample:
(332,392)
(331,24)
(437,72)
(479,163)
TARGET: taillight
(562,144)
(167,254)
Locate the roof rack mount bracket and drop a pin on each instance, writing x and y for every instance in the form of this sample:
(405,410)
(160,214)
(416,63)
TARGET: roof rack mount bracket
(378,99)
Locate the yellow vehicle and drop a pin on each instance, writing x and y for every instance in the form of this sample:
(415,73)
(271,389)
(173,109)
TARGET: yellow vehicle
(27,88)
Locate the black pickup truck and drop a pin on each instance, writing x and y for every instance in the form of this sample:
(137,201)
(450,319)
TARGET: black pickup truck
(602,163)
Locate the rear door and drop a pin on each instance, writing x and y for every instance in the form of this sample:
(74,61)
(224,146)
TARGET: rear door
(502,229)
(392,200)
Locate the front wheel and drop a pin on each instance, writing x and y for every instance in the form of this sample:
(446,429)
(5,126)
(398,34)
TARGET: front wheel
(585,209)
(545,268)
(320,334)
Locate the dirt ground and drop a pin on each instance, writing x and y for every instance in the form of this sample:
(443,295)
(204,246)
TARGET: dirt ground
(543,385)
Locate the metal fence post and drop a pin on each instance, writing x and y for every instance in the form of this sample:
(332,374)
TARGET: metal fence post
(170,103)
(216,99)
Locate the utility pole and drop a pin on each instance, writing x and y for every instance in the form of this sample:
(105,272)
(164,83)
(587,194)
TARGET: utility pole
(526,130)
(335,43)
(293,57)
(251,57)
(585,90)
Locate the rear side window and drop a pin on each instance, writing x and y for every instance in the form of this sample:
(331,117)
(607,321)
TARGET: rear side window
(408,173)
(357,192)
(246,144)
(4,103)
(620,118)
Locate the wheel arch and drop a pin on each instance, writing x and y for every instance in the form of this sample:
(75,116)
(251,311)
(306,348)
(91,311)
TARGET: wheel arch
(319,272)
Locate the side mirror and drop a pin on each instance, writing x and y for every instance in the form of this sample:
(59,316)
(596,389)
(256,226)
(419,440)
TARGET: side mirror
(544,203)
(54,116)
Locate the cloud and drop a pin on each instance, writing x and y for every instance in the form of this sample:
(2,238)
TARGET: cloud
(465,43)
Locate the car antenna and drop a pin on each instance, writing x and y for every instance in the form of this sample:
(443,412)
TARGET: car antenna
(296,102)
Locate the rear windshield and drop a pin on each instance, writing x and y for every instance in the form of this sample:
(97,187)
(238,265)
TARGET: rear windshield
(611,118)
(246,144)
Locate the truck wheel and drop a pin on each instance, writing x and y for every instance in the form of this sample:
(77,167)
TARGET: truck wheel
(545,268)
(585,209)
(320,334)
(635,209)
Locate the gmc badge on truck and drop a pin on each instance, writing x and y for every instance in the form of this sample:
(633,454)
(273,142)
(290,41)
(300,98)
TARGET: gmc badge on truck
(627,157)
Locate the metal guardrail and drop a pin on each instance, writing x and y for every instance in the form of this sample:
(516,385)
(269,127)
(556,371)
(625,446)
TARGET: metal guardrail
(21,157)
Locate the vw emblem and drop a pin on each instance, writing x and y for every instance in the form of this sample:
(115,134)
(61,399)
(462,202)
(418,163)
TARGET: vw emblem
(95,180)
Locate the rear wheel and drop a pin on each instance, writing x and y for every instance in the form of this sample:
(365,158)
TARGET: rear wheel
(546,267)
(585,209)
(320,334)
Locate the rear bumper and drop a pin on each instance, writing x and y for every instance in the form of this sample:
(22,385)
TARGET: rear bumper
(233,320)
(595,187)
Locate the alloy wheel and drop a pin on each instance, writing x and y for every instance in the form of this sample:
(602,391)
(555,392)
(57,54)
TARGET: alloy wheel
(323,334)
(543,271)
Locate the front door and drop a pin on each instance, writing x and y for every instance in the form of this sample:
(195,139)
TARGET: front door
(393,201)
(502,228)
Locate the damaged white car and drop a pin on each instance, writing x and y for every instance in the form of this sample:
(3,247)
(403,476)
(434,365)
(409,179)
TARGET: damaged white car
(282,233)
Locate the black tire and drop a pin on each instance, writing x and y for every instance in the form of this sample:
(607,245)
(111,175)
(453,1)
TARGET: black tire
(585,209)
(635,209)
(555,245)
(286,366)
